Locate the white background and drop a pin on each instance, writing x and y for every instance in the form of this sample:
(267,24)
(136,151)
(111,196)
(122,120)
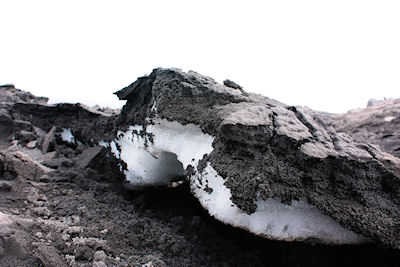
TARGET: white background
(328,55)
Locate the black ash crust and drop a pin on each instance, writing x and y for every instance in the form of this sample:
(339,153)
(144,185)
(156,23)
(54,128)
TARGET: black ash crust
(85,190)
(273,157)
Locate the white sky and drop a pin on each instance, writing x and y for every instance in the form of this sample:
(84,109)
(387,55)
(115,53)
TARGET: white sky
(328,55)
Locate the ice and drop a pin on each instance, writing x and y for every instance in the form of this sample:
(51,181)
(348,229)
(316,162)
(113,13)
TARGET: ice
(66,135)
(172,147)
(188,142)
(103,143)
(273,219)
(164,158)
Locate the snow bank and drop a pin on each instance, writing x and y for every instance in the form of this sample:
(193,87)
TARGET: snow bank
(273,219)
(159,155)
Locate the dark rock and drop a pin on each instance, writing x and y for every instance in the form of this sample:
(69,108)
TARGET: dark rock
(49,256)
(86,158)
(16,163)
(48,142)
(6,124)
(9,94)
(264,149)
(5,186)
(25,137)
(377,124)
(88,126)
(234,85)
(2,158)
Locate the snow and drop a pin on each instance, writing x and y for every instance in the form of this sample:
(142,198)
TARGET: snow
(173,148)
(389,118)
(103,144)
(67,136)
(273,219)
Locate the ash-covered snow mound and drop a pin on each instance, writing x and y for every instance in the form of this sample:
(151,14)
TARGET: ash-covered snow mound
(278,171)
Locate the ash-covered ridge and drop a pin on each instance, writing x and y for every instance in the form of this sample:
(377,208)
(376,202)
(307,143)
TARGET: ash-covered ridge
(266,158)
(378,124)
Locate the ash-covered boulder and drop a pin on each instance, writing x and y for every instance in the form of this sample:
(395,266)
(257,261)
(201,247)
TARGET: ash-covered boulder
(378,124)
(276,170)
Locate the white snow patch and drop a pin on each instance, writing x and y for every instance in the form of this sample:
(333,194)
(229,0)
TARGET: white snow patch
(164,157)
(188,142)
(104,144)
(389,118)
(115,150)
(273,219)
(67,136)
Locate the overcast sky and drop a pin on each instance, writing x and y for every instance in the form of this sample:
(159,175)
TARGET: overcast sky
(328,55)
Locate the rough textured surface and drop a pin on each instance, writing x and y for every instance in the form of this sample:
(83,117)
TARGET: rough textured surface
(378,124)
(281,151)
(80,214)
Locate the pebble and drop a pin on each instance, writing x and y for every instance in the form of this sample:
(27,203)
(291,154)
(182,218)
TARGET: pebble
(39,235)
(103,232)
(32,144)
(65,237)
(99,255)
(76,219)
(42,211)
(74,230)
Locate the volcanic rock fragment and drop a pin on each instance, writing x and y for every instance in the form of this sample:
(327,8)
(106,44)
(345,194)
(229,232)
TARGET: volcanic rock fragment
(19,164)
(278,171)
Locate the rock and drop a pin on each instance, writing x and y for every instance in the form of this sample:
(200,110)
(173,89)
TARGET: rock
(9,94)
(5,186)
(88,155)
(50,256)
(74,230)
(42,211)
(25,137)
(31,144)
(87,125)
(2,158)
(377,124)
(25,223)
(278,171)
(5,220)
(6,124)
(39,235)
(231,84)
(18,163)
(49,140)
(21,126)
(99,256)
(234,85)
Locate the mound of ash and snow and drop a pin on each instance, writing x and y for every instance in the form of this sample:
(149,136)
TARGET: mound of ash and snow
(82,185)
(278,171)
